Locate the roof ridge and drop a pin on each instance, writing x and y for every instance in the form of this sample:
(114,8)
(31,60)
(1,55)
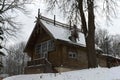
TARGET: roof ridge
(57,23)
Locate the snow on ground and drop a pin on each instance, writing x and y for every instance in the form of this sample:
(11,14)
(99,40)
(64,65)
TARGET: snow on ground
(85,74)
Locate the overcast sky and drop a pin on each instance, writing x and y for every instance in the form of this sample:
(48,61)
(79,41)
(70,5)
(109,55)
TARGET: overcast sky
(28,21)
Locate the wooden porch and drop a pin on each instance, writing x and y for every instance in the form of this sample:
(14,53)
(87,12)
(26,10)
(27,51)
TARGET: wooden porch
(37,62)
(40,65)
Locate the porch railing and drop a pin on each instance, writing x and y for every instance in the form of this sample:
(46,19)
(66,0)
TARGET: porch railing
(36,62)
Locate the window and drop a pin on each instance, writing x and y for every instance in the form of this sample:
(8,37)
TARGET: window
(50,45)
(45,47)
(44,55)
(72,54)
(38,49)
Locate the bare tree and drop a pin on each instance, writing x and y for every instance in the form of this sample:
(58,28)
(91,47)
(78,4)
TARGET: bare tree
(82,12)
(110,44)
(16,59)
(8,11)
(116,45)
(104,40)
(8,26)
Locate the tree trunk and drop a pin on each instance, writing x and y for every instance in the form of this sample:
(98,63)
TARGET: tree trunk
(90,40)
(89,33)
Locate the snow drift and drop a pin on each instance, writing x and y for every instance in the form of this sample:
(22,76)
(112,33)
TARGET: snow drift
(85,74)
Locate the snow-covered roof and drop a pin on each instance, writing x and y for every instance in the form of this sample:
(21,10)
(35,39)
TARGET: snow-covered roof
(58,31)
(63,33)
(113,56)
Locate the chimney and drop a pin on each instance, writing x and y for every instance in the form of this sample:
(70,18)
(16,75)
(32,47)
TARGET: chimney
(38,13)
(70,25)
(54,19)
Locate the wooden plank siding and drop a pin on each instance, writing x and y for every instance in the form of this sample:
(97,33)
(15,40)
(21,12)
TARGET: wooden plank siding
(102,60)
(79,62)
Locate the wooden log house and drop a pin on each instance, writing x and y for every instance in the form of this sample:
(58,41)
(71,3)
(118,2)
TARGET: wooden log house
(57,47)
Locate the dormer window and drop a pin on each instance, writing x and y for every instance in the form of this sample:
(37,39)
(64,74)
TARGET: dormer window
(74,34)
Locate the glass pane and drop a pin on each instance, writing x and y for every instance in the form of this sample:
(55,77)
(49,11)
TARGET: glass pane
(50,45)
(38,49)
(72,54)
(44,47)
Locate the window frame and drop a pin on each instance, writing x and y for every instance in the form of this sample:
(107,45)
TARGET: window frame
(39,47)
(72,53)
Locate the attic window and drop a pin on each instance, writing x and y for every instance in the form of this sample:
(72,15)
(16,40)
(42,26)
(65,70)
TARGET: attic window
(45,47)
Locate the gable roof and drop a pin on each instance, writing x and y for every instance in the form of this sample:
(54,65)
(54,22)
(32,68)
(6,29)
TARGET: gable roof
(61,31)
(58,31)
